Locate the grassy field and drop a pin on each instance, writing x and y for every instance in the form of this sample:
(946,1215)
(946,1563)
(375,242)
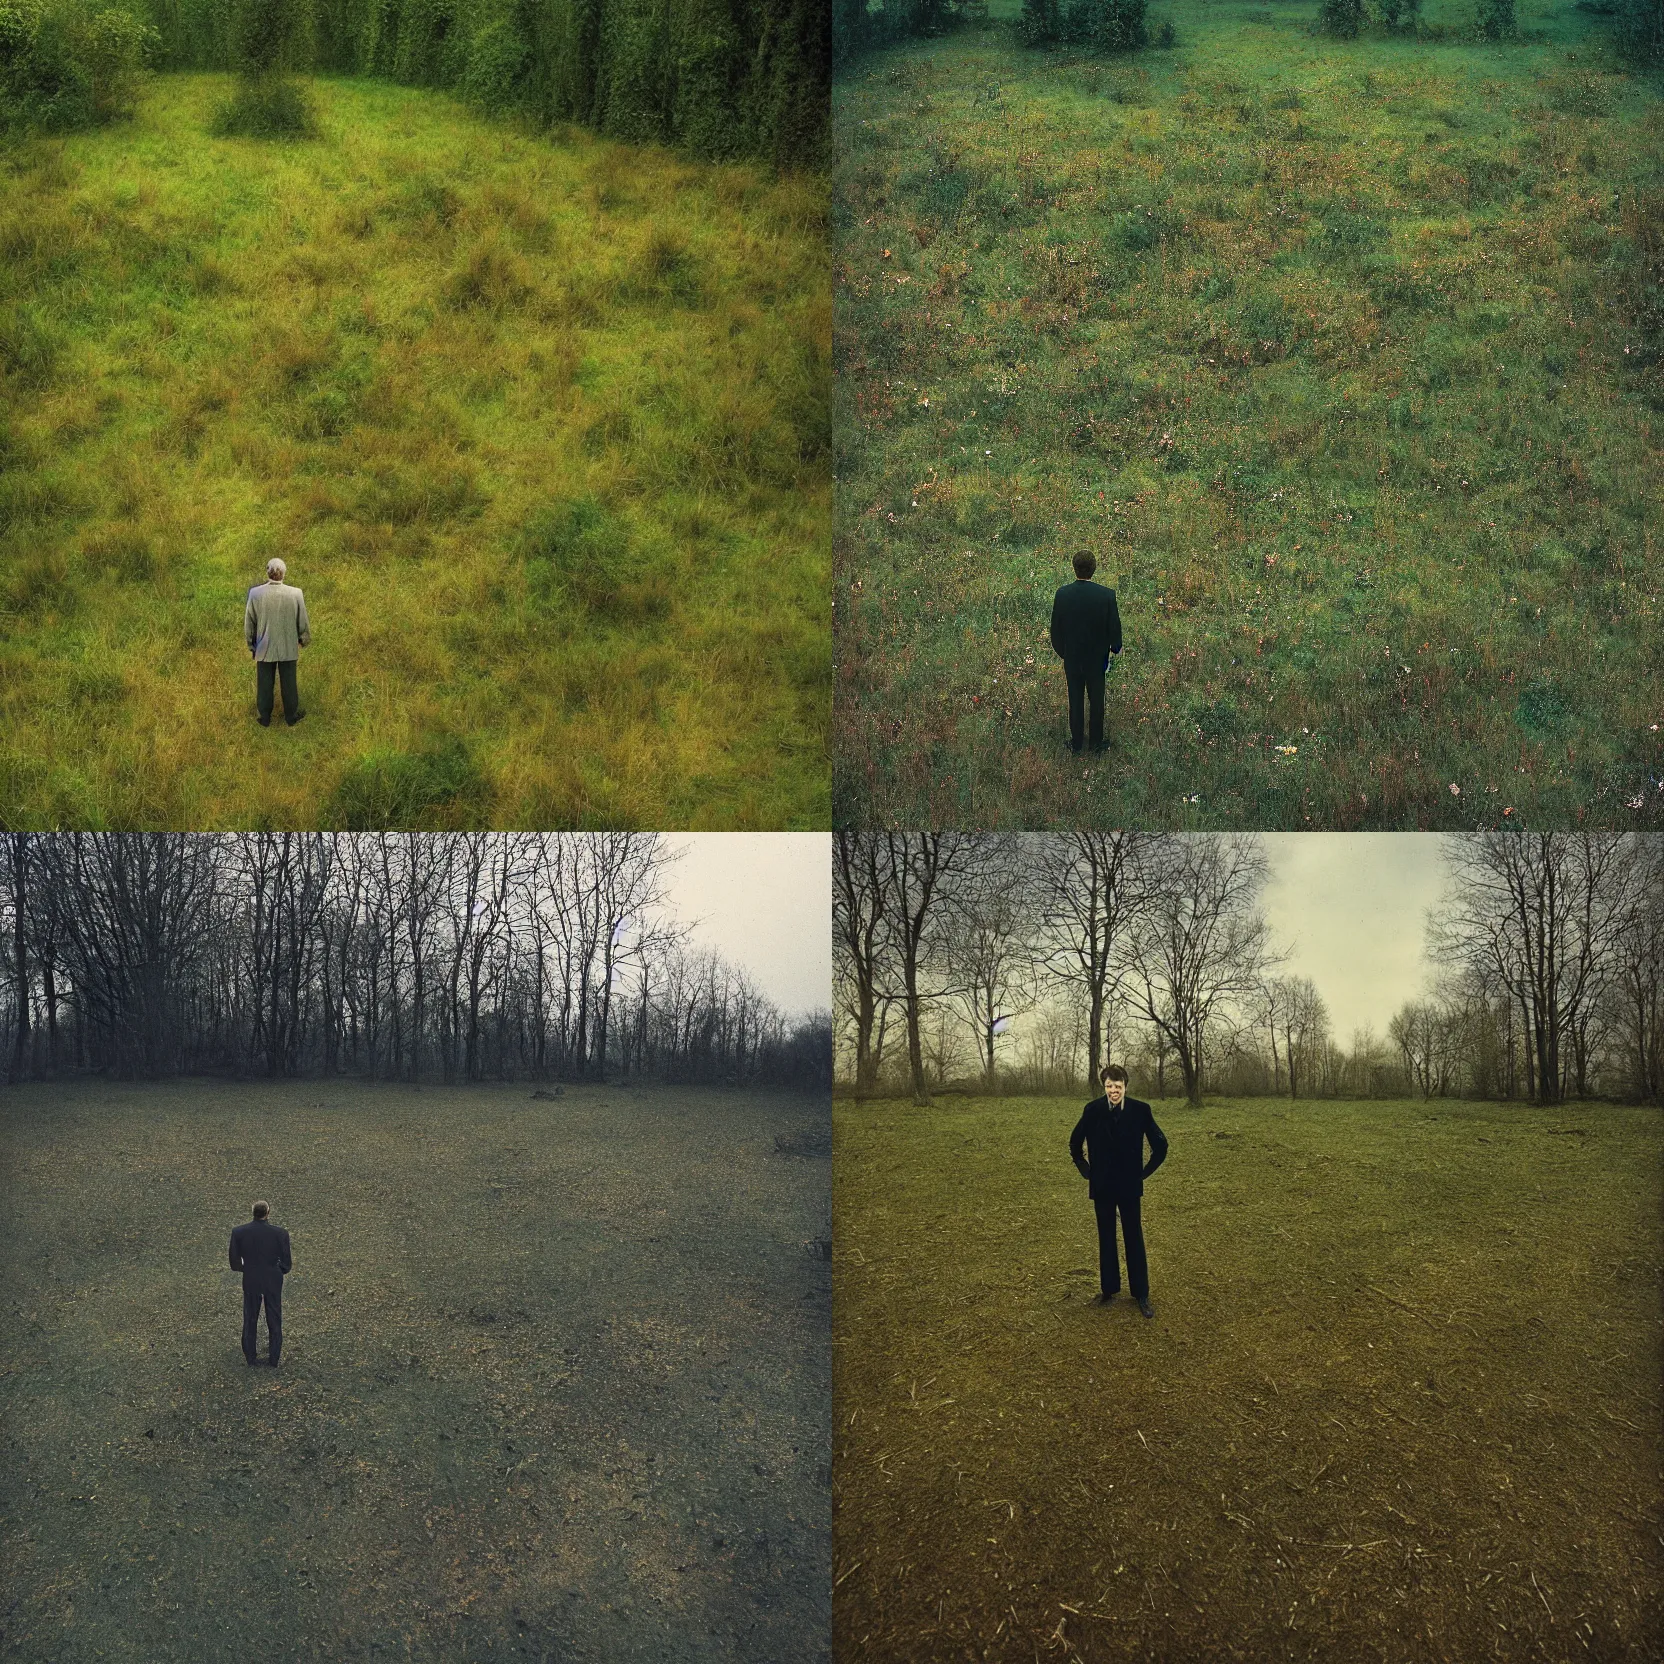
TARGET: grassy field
(1399,1400)
(555,1377)
(540,425)
(1338,354)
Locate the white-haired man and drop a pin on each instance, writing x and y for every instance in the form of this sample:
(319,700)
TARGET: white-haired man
(276,628)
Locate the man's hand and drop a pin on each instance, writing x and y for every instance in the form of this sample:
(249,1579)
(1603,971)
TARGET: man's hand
(1084,1170)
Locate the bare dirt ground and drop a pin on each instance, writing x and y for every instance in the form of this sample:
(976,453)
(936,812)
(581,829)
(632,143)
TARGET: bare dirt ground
(1399,1400)
(555,1379)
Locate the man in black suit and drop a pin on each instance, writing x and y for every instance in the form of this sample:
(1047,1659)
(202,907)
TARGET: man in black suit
(260,1250)
(1086,629)
(1112,1130)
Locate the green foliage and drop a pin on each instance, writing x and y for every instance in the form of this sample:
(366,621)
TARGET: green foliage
(271,107)
(438,788)
(67,64)
(1341,18)
(710,77)
(1496,19)
(270,36)
(1398,14)
(495,74)
(1639,25)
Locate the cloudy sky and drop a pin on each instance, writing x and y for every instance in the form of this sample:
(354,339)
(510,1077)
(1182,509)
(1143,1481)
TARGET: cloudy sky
(764,901)
(1350,908)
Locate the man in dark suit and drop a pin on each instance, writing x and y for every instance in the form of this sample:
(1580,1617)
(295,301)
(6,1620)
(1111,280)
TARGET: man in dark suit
(260,1250)
(1112,1130)
(1086,629)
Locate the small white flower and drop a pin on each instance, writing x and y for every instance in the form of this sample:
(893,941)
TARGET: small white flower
(1455,790)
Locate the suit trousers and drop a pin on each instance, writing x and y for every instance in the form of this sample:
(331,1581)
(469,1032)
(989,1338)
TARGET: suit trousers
(266,673)
(1086,685)
(1132,1232)
(252,1299)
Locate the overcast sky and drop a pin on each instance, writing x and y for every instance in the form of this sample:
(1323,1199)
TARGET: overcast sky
(764,901)
(1351,910)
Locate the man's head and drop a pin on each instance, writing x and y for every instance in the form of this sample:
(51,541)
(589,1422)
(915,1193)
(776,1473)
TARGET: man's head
(275,570)
(1086,563)
(261,1209)
(1114,1078)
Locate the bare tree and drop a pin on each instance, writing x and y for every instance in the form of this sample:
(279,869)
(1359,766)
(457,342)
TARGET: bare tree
(923,868)
(1542,912)
(1091,894)
(862,891)
(1201,941)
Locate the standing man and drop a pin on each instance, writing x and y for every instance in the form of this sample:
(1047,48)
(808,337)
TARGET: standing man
(1086,629)
(1113,1129)
(260,1250)
(276,628)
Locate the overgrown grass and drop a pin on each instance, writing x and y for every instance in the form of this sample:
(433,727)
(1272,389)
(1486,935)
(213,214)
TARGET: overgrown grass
(1398,1402)
(398,356)
(555,1376)
(1348,360)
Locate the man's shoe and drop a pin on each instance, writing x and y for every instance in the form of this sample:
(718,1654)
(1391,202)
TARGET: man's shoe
(272,1362)
(1107,1299)
(264,721)
(299,716)
(1147,1309)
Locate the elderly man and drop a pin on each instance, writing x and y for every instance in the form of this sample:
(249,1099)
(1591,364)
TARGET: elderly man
(276,628)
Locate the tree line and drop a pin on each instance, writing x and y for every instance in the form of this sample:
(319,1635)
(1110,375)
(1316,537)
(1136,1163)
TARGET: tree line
(1023,962)
(718,78)
(458,957)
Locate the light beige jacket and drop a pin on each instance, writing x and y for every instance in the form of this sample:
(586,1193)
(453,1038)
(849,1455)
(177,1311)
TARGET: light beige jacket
(274,622)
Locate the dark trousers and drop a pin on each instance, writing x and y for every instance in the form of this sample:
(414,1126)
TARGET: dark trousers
(1085,683)
(273,1298)
(1132,1232)
(266,672)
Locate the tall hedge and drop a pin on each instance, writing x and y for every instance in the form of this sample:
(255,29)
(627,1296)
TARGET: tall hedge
(716,77)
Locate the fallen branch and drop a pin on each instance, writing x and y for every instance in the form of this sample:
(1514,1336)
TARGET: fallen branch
(1394,1300)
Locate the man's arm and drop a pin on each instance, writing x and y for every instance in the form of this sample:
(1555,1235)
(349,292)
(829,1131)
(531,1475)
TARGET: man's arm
(1057,601)
(1114,624)
(1158,1143)
(236,1257)
(1077,1142)
(286,1263)
(301,620)
(251,622)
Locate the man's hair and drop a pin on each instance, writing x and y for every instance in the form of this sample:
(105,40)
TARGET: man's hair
(1086,563)
(1114,1071)
(275,568)
(261,1209)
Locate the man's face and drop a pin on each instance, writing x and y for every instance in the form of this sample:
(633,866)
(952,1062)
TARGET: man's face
(1115,1090)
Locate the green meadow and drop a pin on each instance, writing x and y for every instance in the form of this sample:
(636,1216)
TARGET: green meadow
(1347,361)
(540,425)
(1398,1401)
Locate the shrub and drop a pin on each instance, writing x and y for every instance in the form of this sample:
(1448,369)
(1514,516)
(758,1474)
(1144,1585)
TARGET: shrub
(1640,30)
(1496,19)
(69,64)
(1397,14)
(268,108)
(1341,18)
(494,75)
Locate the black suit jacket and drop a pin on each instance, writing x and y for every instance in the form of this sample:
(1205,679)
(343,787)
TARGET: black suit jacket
(1086,627)
(260,1250)
(1114,1143)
